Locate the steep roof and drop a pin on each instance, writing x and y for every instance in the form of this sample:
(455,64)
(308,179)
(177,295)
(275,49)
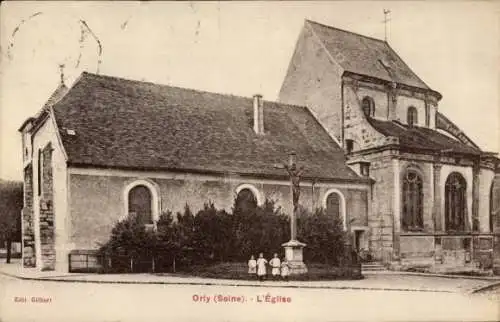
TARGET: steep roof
(364,55)
(59,92)
(422,138)
(122,123)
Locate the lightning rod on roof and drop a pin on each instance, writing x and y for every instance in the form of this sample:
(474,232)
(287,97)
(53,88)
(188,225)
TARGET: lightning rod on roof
(385,21)
(61,73)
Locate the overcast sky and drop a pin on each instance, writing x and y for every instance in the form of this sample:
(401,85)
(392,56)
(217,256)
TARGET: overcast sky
(241,48)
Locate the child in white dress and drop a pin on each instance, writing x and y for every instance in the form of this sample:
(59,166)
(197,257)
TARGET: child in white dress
(285,270)
(275,266)
(261,267)
(252,266)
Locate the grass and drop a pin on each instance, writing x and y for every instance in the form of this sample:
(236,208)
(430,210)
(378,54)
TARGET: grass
(239,271)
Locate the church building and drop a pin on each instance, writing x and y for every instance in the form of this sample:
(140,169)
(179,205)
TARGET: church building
(412,188)
(432,202)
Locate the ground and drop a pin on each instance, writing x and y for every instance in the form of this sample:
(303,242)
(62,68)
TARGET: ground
(70,301)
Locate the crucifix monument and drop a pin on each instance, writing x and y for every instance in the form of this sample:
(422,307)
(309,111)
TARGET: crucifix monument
(293,248)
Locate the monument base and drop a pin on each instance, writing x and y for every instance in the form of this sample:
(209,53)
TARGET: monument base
(293,255)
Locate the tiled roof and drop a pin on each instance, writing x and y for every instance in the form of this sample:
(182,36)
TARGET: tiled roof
(365,55)
(59,92)
(130,124)
(421,138)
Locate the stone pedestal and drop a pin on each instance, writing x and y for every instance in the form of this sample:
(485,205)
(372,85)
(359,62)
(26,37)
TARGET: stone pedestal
(293,255)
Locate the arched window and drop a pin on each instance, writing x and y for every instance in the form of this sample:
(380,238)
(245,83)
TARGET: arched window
(412,116)
(494,204)
(455,202)
(412,195)
(140,204)
(334,205)
(368,106)
(141,199)
(245,201)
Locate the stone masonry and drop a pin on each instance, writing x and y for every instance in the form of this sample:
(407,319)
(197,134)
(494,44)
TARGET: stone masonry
(47,235)
(29,255)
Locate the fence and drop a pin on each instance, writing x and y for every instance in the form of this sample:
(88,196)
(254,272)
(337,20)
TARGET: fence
(84,261)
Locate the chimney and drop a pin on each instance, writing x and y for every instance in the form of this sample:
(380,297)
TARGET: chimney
(258,114)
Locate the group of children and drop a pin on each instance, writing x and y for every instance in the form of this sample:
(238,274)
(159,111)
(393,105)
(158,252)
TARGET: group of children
(278,268)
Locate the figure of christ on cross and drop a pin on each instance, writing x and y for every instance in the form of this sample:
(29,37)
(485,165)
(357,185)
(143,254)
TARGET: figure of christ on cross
(295,174)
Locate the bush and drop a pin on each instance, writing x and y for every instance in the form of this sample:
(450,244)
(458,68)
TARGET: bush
(215,236)
(130,242)
(262,229)
(324,237)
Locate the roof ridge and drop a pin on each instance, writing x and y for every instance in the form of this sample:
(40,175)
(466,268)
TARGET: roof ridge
(407,66)
(187,89)
(346,31)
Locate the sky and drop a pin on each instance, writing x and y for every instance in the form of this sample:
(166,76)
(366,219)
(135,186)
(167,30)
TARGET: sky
(240,48)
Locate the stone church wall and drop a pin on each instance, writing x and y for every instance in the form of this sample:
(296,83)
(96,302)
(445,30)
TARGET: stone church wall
(357,127)
(28,222)
(49,220)
(47,235)
(314,80)
(379,98)
(403,102)
(485,181)
(381,219)
(98,199)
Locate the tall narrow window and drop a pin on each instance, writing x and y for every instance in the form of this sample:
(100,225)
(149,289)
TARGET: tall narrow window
(412,116)
(455,202)
(140,204)
(494,204)
(349,145)
(333,205)
(412,201)
(39,171)
(368,106)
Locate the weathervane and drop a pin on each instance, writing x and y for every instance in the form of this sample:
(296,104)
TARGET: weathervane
(386,20)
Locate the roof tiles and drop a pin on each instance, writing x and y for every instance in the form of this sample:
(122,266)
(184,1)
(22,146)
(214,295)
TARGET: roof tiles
(130,124)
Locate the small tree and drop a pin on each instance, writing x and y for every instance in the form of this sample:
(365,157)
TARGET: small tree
(324,237)
(11,205)
(212,234)
(131,241)
(259,229)
(168,244)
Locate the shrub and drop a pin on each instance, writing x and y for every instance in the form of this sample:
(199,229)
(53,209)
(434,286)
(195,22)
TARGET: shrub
(214,236)
(261,229)
(324,237)
(130,241)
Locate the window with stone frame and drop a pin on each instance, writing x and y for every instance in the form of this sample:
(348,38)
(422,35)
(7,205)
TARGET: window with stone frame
(494,214)
(368,106)
(333,205)
(455,202)
(140,202)
(412,195)
(246,201)
(412,116)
